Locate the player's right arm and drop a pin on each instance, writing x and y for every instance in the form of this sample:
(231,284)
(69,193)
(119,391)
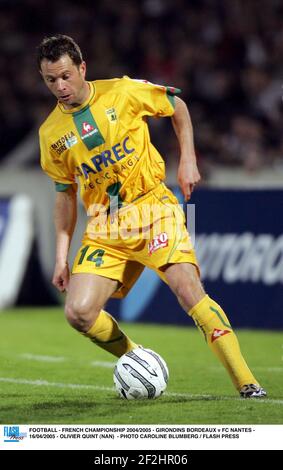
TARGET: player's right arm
(65,211)
(65,217)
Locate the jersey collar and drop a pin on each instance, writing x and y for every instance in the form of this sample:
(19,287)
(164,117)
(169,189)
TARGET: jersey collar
(83,105)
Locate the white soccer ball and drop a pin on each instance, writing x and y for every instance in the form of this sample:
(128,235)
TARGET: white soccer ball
(140,373)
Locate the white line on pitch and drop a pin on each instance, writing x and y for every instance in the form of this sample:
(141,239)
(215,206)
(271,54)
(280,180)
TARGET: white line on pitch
(269,369)
(107,365)
(35,357)
(111,389)
(54,359)
(54,384)
(110,365)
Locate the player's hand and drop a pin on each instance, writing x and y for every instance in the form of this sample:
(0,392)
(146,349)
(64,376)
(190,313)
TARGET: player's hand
(188,177)
(61,276)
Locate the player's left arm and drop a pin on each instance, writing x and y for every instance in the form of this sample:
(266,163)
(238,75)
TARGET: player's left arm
(188,174)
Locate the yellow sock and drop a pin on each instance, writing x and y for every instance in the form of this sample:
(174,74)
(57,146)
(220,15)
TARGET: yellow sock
(106,334)
(212,321)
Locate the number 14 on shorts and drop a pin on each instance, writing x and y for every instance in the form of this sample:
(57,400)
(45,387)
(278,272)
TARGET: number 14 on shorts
(95,256)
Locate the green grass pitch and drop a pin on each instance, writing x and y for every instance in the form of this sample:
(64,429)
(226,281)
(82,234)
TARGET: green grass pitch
(51,374)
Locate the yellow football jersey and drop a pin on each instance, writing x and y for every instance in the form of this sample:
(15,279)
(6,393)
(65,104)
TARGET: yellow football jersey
(104,144)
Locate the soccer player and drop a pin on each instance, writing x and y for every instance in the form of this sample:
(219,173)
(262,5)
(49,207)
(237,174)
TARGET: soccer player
(98,134)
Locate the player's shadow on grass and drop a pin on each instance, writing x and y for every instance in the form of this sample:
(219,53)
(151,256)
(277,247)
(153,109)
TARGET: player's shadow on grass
(168,400)
(79,405)
(66,411)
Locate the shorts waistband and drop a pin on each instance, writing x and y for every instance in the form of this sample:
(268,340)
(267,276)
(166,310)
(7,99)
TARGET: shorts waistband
(154,190)
(140,199)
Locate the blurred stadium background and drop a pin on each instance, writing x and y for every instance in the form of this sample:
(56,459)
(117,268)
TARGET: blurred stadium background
(227,58)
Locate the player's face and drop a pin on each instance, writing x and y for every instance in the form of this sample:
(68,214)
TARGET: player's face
(66,81)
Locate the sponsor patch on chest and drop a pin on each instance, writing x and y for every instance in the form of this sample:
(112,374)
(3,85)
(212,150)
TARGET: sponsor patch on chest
(64,142)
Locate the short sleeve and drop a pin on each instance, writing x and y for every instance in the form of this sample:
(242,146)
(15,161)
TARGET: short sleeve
(54,166)
(150,99)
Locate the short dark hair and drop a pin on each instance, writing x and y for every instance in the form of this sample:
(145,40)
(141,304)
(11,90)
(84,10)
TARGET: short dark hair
(54,47)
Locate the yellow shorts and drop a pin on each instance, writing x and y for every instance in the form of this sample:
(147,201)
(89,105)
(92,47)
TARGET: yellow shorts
(150,232)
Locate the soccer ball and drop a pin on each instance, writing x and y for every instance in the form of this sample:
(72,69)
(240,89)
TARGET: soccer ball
(140,373)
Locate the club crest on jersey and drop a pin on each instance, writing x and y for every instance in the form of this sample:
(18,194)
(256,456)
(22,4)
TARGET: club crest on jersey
(218,333)
(111,114)
(159,241)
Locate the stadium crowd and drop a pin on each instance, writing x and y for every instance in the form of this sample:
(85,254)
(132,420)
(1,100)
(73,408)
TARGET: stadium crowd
(226,56)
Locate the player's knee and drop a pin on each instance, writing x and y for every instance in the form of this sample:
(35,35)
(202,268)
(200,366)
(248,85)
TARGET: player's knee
(81,315)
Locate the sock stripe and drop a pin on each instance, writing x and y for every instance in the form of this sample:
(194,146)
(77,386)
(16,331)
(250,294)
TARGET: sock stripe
(214,310)
(97,341)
